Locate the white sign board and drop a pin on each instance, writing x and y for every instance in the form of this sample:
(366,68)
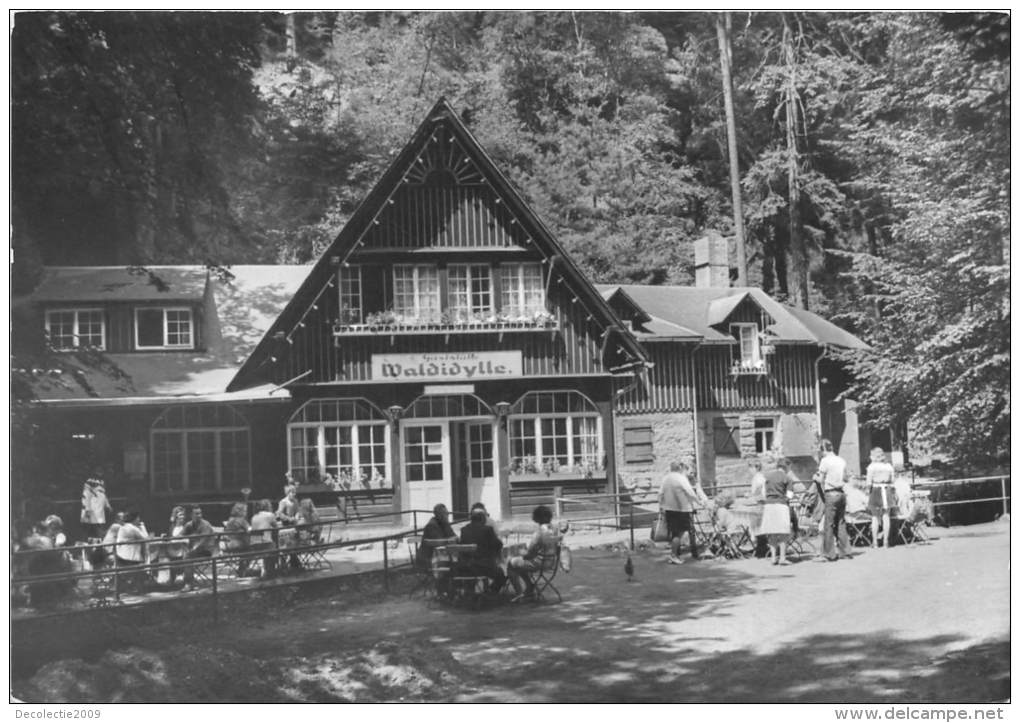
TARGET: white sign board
(463,365)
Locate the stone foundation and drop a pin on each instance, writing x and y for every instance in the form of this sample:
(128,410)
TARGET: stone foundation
(672,440)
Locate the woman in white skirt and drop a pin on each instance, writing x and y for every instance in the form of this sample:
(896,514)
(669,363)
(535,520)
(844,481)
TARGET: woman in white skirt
(882,495)
(775,518)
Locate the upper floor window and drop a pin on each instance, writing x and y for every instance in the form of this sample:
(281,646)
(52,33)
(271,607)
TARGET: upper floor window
(764,434)
(416,295)
(351,311)
(470,287)
(164,328)
(523,294)
(750,347)
(76,328)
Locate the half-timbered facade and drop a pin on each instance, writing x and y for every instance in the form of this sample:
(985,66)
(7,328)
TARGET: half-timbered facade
(444,348)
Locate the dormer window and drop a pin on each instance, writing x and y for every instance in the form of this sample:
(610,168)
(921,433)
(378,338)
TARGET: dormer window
(76,328)
(750,347)
(164,328)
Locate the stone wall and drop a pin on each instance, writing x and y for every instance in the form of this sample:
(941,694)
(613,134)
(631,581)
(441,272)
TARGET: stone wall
(796,436)
(672,439)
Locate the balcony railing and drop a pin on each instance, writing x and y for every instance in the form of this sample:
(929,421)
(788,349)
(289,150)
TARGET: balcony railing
(742,368)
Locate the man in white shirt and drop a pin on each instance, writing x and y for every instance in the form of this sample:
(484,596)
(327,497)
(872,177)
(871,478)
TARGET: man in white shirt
(677,498)
(831,475)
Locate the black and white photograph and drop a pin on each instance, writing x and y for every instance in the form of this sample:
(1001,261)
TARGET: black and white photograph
(407,356)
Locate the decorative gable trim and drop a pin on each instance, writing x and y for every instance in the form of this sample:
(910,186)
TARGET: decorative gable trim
(442,143)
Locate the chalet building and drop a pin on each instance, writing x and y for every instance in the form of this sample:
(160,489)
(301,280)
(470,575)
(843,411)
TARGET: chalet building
(732,373)
(444,348)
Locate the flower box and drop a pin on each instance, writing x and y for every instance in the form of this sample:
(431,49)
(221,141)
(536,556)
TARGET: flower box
(555,476)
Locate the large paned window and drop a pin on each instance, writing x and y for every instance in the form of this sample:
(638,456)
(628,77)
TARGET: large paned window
(470,292)
(76,328)
(750,348)
(555,432)
(416,296)
(339,442)
(164,328)
(200,448)
(351,310)
(523,293)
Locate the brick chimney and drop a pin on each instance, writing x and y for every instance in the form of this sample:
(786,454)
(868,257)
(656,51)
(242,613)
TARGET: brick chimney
(711,261)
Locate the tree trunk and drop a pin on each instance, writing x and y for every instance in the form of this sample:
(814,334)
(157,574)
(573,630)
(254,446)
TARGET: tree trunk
(722,27)
(798,283)
(291,42)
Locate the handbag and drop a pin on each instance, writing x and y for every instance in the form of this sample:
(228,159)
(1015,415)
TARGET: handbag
(659,532)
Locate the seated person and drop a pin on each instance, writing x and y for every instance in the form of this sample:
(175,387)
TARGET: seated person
(489,522)
(46,559)
(235,538)
(55,530)
(202,544)
(104,554)
(131,538)
(486,560)
(287,510)
(263,522)
(437,530)
(856,498)
(306,515)
(131,549)
(540,554)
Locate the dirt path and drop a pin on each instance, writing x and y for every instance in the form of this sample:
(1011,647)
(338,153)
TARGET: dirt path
(909,624)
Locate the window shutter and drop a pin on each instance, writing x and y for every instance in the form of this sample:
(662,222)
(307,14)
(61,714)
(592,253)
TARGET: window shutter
(637,443)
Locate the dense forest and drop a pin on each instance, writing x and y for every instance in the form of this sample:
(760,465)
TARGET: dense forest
(873,158)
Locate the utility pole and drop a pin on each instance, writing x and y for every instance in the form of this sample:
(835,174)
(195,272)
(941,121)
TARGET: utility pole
(723,29)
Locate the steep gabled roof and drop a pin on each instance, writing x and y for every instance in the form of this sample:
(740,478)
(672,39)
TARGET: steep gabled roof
(704,311)
(441,119)
(94,284)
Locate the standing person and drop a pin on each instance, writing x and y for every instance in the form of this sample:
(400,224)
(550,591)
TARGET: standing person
(882,495)
(832,477)
(263,523)
(775,518)
(677,499)
(94,506)
(761,542)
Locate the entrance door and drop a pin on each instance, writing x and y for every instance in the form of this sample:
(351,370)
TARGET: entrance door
(482,483)
(427,465)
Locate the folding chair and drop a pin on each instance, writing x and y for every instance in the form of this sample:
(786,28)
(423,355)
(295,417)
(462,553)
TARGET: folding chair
(725,542)
(858,529)
(703,521)
(313,557)
(548,565)
(912,526)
